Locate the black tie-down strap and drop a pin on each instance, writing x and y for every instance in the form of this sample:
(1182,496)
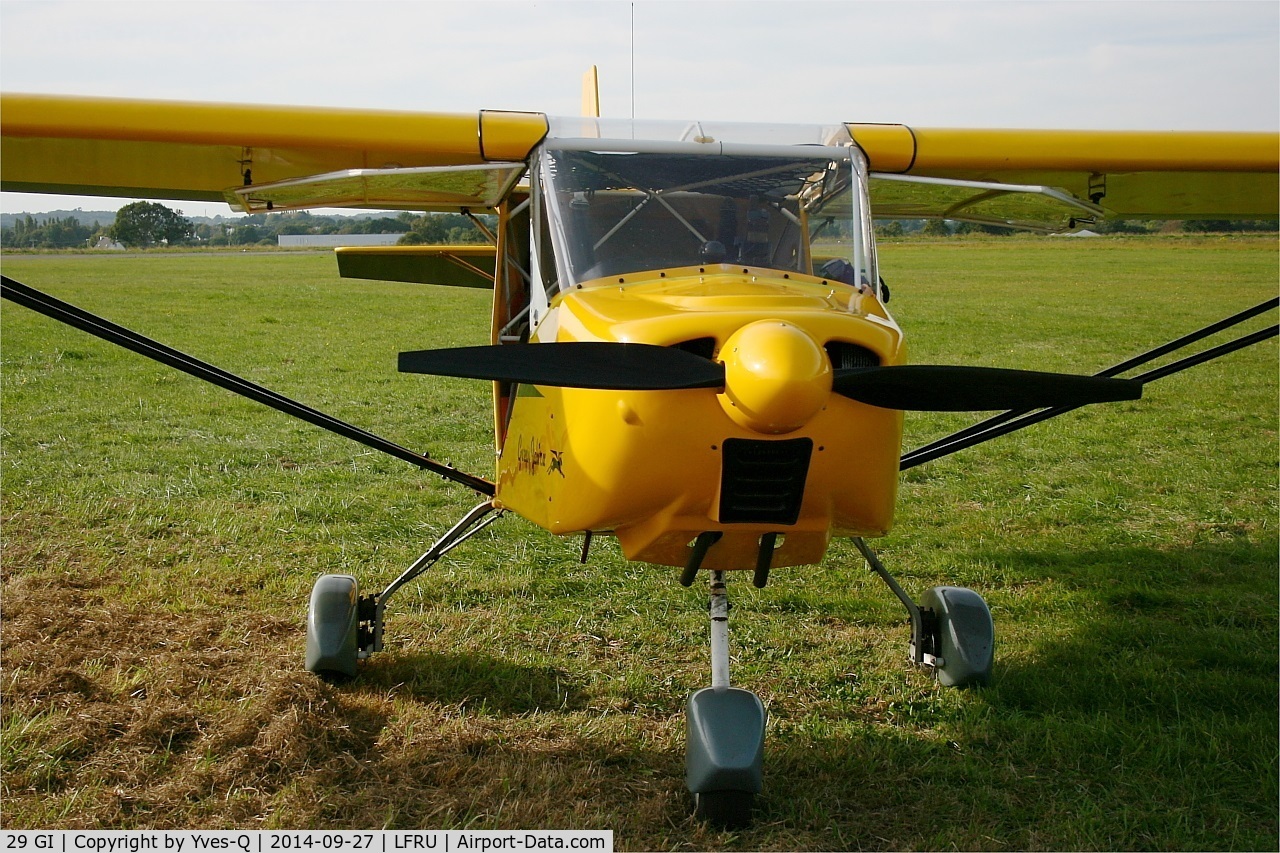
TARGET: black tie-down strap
(64,312)
(1011,421)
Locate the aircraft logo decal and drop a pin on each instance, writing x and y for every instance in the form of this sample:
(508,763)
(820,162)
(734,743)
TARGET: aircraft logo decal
(531,457)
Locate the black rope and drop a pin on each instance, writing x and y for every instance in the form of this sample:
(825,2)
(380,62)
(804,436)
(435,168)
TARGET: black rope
(1011,421)
(64,312)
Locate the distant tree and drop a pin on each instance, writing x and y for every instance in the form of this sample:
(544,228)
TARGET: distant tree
(52,233)
(247,233)
(146,223)
(1229,226)
(981,228)
(295,222)
(936,228)
(892,228)
(1209,225)
(431,228)
(386,225)
(447,228)
(211,234)
(1121,226)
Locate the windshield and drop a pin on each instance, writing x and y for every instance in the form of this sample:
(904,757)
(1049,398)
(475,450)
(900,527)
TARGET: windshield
(612,213)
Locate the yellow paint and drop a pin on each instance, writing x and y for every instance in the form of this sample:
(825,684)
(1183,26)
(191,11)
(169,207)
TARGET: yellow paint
(510,136)
(55,116)
(951,152)
(647,465)
(1131,174)
(180,150)
(889,147)
(462,250)
(941,151)
(199,151)
(776,377)
(591,93)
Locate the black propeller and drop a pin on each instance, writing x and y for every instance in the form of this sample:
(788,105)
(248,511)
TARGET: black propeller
(645,367)
(945,388)
(587,364)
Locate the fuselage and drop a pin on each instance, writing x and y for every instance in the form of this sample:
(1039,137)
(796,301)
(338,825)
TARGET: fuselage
(756,255)
(658,468)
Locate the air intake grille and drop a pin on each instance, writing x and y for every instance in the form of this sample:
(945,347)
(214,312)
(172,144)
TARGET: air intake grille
(845,355)
(762,482)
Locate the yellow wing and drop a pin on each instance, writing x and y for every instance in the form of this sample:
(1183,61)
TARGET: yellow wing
(278,158)
(967,174)
(262,157)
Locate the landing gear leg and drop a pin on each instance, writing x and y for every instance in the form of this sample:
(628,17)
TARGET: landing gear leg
(952,632)
(344,627)
(725,725)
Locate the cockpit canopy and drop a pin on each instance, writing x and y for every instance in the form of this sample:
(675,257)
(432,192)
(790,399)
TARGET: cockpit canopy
(612,207)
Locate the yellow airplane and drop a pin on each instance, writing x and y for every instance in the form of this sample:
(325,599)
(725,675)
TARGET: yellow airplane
(690,345)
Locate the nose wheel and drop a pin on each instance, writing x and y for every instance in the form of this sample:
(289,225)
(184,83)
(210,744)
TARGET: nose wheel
(344,627)
(725,809)
(725,727)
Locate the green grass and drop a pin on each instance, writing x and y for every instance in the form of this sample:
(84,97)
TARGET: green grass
(160,538)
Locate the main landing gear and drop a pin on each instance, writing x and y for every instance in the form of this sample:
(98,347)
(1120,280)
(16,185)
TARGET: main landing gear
(951,633)
(344,627)
(951,629)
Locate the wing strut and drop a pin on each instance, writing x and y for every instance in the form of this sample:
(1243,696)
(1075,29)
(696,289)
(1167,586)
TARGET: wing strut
(106,330)
(1010,421)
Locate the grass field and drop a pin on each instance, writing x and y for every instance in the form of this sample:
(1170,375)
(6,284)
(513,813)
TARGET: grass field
(160,538)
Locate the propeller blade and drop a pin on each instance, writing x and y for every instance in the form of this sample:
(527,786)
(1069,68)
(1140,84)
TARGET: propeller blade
(945,388)
(608,366)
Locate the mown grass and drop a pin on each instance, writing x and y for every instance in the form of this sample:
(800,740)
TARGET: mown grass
(160,538)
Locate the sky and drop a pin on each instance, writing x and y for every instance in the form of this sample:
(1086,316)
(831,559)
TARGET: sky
(1106,64)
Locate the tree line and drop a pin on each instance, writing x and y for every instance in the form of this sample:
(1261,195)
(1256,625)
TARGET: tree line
(948,228)
(414,228)
(145,224)
(54,233)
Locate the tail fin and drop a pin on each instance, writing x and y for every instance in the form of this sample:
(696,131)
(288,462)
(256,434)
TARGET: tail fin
(591,93)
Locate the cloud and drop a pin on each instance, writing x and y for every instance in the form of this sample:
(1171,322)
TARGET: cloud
(1141,65)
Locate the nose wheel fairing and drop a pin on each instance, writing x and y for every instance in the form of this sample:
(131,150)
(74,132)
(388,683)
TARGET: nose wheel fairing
(725,748)
(965,636)
(333,626)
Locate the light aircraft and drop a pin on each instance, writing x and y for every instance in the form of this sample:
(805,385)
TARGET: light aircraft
(690,348)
